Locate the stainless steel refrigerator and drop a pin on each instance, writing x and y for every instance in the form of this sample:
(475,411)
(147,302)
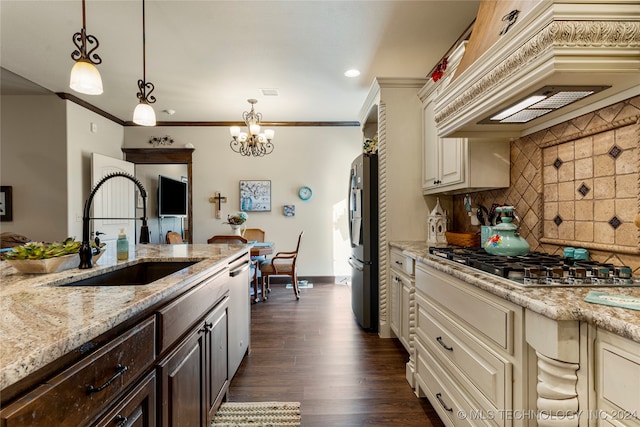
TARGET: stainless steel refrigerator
(363,231)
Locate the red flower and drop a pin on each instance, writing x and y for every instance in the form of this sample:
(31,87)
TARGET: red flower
(439,71)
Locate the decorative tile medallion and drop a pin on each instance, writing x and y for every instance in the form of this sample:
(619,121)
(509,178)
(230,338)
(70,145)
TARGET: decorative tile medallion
(557,163)
(615,151)
(583,189)
(557,220)
(615,222)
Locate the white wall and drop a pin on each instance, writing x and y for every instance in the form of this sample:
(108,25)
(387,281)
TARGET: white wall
(46,157)
(33,162)
(318,157)
(81,142)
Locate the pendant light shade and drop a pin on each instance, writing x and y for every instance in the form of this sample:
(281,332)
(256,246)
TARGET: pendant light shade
(85,78)
(144,115)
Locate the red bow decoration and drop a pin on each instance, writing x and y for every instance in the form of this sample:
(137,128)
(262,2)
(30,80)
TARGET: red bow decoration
(439,71)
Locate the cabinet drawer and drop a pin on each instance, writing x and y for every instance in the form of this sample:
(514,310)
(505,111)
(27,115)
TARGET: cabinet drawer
(618,378)
(177,317)
(479,366)
(489,316)
(401,262)
(137,408)
(446,398)
(81,392)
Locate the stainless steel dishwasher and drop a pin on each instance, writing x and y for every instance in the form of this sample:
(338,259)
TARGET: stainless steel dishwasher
(239,312)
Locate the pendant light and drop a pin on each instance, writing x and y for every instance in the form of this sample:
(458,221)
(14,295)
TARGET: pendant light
(85,77)
(143,114)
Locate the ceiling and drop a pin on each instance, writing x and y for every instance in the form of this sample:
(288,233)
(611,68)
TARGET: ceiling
(206,58)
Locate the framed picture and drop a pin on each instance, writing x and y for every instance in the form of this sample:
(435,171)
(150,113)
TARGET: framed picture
(255,196)
(289,210)
(6,203)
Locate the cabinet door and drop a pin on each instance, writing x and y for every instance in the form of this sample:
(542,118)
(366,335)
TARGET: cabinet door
(404,321)
(430,141)
(216,375)
(395,286)
(136,409)
(452,161)
(181,386)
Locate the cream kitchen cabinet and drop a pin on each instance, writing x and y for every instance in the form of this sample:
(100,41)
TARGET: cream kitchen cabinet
(453,165)
(402,285)
(392,112)
(617,373)
(470,353)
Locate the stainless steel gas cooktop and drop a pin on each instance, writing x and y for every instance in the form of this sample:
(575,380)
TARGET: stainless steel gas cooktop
(539,269)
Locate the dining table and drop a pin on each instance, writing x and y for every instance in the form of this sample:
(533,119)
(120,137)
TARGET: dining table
(261,248)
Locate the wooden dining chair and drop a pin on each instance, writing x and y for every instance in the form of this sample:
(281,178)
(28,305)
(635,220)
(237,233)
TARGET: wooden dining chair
(174,238)
(226,238)
(282,264)
(254,234)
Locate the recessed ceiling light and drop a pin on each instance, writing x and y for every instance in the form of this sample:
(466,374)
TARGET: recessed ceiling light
(352,73)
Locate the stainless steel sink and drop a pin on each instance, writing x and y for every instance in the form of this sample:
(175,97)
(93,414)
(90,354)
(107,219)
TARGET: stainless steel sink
(138,274)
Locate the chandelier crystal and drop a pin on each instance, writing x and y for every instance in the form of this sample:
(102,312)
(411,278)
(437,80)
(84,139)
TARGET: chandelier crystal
(253,142)
(85,77)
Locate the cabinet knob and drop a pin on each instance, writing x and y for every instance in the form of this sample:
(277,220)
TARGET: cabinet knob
(120,421)
(207,327)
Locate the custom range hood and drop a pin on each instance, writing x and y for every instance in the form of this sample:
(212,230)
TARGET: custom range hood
(559,59)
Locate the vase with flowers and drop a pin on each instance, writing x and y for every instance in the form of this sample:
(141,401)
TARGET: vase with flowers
(236,222)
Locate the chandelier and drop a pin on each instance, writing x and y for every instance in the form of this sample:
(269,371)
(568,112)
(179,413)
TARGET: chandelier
(253,142)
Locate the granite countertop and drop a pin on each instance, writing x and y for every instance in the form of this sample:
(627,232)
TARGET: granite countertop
(558,303)
(42,320)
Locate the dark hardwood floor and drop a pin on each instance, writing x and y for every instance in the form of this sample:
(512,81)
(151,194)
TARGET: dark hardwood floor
(312,351)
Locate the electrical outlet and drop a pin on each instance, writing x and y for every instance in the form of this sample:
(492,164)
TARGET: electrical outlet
(78,218)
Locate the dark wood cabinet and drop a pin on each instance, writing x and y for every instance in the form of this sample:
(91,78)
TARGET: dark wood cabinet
(136,409)
(216,359)
(168,367)
(78,394)
(194,375)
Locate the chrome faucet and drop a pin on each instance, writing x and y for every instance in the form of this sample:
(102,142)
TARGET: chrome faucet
(85,247)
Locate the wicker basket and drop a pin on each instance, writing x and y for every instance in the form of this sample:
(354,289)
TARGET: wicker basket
(467,240)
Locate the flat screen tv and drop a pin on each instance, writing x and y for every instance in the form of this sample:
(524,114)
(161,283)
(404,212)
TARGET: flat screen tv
(172,197)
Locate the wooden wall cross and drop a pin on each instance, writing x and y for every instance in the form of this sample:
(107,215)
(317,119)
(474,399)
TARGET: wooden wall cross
(217,199)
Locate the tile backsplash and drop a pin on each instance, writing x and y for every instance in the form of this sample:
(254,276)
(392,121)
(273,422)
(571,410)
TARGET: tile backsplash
(575,184)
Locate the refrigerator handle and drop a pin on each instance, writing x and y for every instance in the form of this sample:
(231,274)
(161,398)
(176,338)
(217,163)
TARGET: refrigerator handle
(356,264)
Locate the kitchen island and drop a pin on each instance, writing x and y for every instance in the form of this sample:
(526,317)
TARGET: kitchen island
(48,327)
(519,355)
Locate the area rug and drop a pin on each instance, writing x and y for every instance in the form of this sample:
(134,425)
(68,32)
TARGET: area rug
(257,414)
(302,284)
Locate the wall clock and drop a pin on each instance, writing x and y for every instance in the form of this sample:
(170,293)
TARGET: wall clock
(305,193)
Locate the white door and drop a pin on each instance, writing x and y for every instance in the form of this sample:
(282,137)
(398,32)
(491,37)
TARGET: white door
(114,199)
